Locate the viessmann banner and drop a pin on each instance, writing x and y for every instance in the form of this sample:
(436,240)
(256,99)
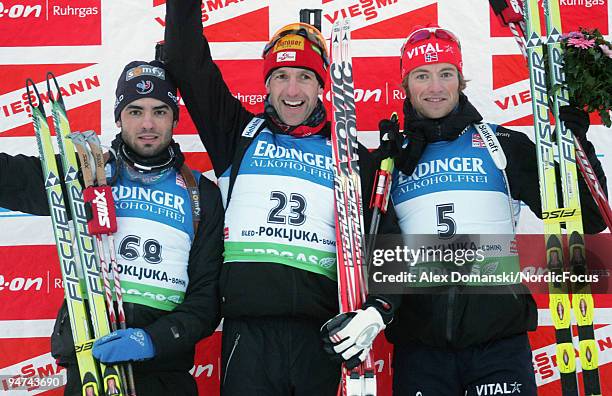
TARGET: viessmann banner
(86,43)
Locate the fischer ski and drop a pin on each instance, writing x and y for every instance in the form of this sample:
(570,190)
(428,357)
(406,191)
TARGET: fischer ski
(510,17)
(552,213)
(77,310)
(582,300)
(85,244)
(352,287)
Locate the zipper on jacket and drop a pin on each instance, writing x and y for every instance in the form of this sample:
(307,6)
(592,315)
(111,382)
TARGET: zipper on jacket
(61,322)
(229,359)
(449,314)
(512,290)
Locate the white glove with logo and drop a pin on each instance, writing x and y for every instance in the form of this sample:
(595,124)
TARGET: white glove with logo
(348,337)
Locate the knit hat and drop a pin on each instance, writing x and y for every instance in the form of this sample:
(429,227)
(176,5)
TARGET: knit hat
(297,45)
(430,45)
(141,79)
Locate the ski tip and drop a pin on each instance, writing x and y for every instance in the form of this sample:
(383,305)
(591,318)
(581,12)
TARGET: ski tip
(553,242)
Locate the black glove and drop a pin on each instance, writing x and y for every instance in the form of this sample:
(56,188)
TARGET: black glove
(390,138)
(576,120)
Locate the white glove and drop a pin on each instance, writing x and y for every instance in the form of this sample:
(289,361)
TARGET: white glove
(348,337)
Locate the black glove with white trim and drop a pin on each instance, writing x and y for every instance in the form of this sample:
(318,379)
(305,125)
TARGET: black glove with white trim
(348,337)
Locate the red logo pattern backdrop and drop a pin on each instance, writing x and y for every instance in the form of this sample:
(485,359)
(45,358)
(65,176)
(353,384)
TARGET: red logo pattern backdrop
(87,42)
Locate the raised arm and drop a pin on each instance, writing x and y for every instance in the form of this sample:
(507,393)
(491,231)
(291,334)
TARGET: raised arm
(219,117)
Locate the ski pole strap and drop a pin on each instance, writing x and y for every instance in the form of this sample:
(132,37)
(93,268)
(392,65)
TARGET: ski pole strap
(250,132)
(85,159)
(194,195)
(100,206)
(98,156)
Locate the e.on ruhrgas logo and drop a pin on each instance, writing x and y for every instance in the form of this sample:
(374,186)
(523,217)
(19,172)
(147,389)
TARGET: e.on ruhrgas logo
(27,23)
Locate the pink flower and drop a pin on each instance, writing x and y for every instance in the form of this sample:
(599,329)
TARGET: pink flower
(581,43)
(606,50)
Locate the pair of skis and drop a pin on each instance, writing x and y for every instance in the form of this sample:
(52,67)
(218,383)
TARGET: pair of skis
(80,267)
(352,283)
(569,150)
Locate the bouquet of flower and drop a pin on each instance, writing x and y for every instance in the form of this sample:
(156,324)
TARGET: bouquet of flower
(588,71)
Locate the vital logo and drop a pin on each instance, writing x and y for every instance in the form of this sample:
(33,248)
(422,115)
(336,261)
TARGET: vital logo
(429,50)
(102,208)
(503,388)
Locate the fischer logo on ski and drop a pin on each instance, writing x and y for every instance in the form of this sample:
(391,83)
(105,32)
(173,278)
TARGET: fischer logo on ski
(553,212)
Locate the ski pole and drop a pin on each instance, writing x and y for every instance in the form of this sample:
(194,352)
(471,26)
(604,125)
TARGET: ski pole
(379,200)
(96,150)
